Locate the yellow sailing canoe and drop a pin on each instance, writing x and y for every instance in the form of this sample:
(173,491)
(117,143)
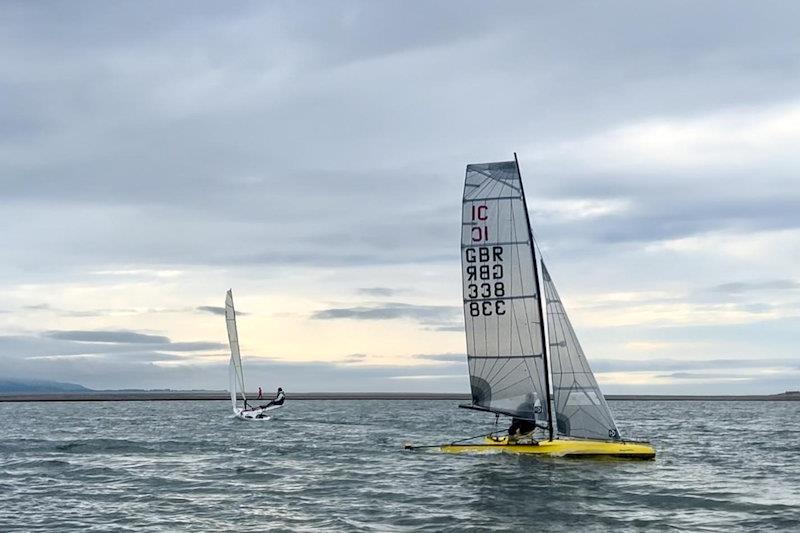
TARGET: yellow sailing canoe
(558,448)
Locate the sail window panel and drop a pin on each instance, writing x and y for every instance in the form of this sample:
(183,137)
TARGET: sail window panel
(581,409)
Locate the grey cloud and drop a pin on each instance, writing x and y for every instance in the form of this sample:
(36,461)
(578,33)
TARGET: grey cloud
(739,287)
(425,314)
(677,211)
(448,327)
(299,135)
(217,310)
(86,313)
(120,336)
(107,373)
(378,291)
(37,307)
(193,346)
(214,310)
(660,365)
(696,375)
(176,140)
(144,372)
(443,357)
(72,344)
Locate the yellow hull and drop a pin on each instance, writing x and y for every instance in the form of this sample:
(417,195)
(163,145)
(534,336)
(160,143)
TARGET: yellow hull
(559,448)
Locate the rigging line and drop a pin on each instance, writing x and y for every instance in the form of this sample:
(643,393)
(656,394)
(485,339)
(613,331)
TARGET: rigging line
(475,437)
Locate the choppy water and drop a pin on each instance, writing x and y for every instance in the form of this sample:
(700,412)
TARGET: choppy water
(340,466)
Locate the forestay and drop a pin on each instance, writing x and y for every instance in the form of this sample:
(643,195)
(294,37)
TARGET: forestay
(501,310)
(235,372)
(581,409)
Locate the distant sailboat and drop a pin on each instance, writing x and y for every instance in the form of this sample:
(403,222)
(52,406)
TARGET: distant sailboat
(521,365)
(236,373)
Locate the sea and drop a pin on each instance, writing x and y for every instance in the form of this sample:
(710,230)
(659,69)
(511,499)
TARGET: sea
(341,466)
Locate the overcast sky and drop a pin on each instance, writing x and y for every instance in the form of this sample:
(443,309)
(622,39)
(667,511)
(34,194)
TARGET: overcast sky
(311,156)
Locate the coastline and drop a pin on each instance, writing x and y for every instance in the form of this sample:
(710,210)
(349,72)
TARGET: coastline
(128,396)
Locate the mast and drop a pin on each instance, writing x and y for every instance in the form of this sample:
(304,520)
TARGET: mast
(542,308)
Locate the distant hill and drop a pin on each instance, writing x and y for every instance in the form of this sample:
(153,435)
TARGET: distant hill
(40,386)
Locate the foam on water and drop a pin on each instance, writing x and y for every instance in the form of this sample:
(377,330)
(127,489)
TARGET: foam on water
(340,465)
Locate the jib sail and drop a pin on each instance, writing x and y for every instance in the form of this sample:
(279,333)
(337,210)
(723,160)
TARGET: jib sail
(581,409)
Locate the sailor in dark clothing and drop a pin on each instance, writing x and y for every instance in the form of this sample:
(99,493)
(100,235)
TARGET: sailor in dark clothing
(520,427)
(279,399)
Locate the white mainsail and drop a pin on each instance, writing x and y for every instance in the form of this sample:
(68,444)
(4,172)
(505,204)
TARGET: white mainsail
(235,372)
(501,307)
(506,335)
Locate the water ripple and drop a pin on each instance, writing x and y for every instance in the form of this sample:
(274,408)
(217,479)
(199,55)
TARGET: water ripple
(334,466)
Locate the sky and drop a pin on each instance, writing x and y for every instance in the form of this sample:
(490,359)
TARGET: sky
(311,156)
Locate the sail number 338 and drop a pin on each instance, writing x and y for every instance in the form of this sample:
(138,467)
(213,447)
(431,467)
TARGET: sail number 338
(484,269)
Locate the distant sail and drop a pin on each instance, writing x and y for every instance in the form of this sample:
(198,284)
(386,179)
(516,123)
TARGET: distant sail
(235,367)
(501,308)
(581,409)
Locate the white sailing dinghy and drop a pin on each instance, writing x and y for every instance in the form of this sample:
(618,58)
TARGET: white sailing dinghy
(235,372)
(522,365)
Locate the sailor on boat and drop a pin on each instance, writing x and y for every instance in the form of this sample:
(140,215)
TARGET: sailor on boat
(520,427)
(280,397)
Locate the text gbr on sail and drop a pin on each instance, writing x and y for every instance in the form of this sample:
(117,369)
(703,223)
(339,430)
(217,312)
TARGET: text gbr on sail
(484,267)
